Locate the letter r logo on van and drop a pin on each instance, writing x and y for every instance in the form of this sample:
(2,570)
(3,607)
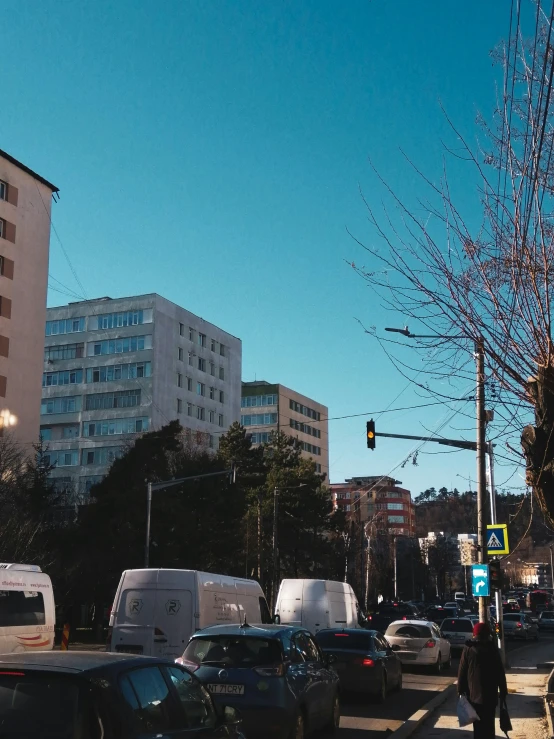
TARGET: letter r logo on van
(172,607)
(135,606)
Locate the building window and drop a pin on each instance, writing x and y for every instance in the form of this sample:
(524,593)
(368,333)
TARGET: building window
(212,393)
(189,409)
(70,432)
(299,408)
(200,388)
(212,369)
(221,396)
(347,507)
(211,441)
(305,428)
(253,401)
(200,414)
(201,339)
(260,438)
(114,372)
(220,419)
(119,320)
(259,419)
(67,404)
(222,350)
(45,433)
(396,519)
(3,190)
(101,455)
(189,384)
(67,377)
(181,329)
(179,405)
(120,346)
(311,448)
(395,507)
(213,345)
(180,353)
(221,373)
(201,364)
(191,359)
(191,334)
(64,351)
(2,228)
(179,380)
(116,426)
(318,469)
(108,401)
(211,416)
(62,458)
(65,326)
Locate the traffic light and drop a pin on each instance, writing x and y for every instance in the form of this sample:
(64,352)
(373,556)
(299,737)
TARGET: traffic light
(370,432)
(495,574)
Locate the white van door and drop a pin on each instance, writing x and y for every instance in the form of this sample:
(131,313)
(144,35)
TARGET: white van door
(173,622)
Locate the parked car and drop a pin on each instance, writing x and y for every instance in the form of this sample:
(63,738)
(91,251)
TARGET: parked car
(419,643)
(114,696)
(275,675)
(437,614)
(546,620)
(511,607)
(518,626)
(363,660)
(386,613)
(457,631)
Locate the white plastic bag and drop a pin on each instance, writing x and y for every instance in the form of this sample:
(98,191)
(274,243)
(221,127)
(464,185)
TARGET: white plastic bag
(466,712)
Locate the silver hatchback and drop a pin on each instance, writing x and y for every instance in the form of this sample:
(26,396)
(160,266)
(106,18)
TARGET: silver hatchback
(546,621)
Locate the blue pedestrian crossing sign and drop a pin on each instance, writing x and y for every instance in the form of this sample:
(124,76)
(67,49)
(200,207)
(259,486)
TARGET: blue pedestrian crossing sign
(480,584)
(497,539)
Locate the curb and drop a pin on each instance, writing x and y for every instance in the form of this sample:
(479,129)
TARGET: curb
(417,718)
(548,707)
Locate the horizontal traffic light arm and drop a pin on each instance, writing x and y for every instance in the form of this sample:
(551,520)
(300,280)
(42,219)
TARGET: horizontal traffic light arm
(459,443)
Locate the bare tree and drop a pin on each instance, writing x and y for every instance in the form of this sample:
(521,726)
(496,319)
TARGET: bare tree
(490,285)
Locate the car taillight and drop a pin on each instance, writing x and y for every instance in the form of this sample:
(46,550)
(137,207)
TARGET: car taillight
(274,671)
(430,644)
(369,618)
(404,618)
(519,624)
(16,674)
(368,662)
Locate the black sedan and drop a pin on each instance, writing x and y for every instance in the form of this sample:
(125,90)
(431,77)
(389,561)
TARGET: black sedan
(363,660)
(96,695)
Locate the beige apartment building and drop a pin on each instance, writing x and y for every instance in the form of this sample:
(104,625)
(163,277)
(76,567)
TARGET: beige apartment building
(25,202)
(267,407)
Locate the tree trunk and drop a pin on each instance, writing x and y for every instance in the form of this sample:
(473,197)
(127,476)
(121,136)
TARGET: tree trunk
(538,441)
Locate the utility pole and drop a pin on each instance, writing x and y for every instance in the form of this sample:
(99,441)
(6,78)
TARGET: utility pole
(148,517)
(275,546)
(260,537)
(395,572)
(481,468)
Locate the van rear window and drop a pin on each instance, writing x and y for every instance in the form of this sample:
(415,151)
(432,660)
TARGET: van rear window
(21,608)
(233,651)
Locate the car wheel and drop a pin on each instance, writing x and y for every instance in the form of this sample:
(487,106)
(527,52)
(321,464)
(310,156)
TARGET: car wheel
(381,696)
(298,728)
(438,664)
(332,725)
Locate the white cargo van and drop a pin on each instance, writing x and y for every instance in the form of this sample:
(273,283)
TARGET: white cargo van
(317,604)
(155,612)
(27,611)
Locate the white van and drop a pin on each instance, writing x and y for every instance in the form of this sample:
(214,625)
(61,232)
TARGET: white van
(155,612)
(459,595)
(27,611)
(317,604)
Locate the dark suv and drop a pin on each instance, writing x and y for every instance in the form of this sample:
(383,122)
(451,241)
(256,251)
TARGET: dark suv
(386,613)
(95,695)
(275,675)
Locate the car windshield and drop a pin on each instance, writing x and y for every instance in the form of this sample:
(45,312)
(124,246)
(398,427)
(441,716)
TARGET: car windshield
(233,651)
(42,705)
(457,624)
(340,640)
(547,614)
(413,631)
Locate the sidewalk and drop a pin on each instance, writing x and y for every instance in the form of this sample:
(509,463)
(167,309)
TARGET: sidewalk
(526,689)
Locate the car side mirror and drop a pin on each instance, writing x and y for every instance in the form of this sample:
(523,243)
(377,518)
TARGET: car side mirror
(276,618)
(231,716)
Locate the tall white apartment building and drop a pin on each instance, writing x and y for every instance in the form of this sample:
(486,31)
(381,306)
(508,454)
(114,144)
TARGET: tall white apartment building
(116,368)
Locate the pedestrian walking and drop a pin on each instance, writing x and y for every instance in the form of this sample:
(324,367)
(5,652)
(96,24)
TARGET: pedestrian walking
(481,678)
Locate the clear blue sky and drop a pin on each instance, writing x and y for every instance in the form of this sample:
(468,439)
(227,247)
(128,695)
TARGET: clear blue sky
(211,151)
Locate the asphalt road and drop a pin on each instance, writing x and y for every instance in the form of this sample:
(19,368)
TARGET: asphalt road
(362,719)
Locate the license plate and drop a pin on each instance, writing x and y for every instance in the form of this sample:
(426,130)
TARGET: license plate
(407,655)
(224,689)
(128,648)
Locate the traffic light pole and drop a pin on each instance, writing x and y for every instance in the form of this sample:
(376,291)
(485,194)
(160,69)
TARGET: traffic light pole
(481,469)
(498,592)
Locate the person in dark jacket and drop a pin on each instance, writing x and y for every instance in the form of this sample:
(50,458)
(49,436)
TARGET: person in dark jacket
(481,678)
